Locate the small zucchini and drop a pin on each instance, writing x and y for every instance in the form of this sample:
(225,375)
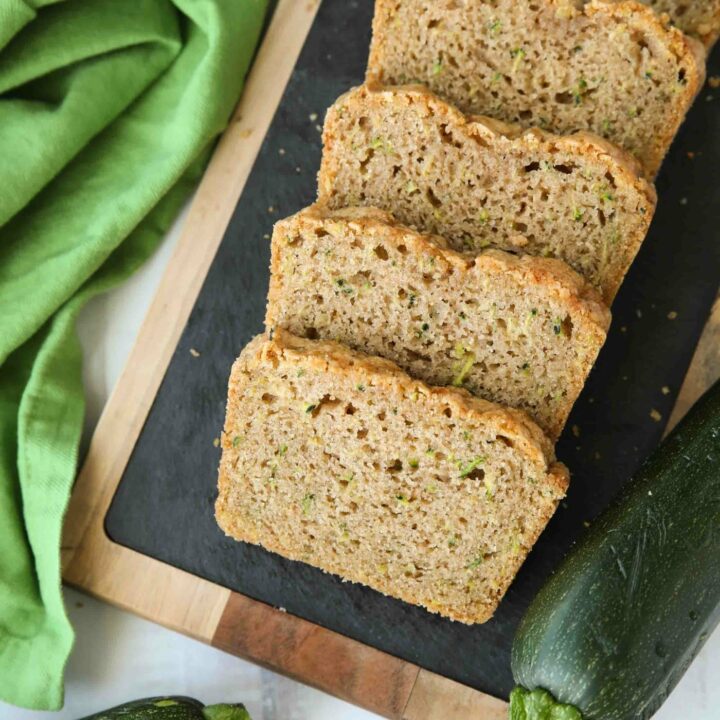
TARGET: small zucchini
(171,708)
(616,627)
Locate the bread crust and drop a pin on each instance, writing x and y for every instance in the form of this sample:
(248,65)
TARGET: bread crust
(502,136)
(556,281)
(690,55)
(286,351)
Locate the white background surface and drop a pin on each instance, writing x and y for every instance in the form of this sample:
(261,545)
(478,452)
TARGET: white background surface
(118,657)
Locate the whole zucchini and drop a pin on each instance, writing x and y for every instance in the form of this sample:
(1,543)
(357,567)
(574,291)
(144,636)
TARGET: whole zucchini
(615,628)
(171,708)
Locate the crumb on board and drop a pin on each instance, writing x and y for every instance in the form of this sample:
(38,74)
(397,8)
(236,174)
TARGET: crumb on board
(709,98)
(638,312)
(656,415)
(281,151)
(672,315)
(266,236)
(665,390)
(576,430)
(318,128)
(683,201)
(271,209)
(298,170)
(597,456)
(216,442)
(313,117)
(194,352)
(714,81)
(586,524)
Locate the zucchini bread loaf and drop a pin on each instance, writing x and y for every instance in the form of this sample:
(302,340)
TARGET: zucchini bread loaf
(344,462)
(481,183)
(614,68)
(520,331)
(699,18)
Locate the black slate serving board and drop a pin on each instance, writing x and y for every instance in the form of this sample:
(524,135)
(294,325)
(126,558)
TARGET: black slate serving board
(164,504)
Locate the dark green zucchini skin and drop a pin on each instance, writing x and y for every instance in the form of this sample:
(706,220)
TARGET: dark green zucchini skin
(618,624)
(171,708)
(157,708)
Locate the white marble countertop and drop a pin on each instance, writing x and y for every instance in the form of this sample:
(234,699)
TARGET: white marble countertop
(119,657)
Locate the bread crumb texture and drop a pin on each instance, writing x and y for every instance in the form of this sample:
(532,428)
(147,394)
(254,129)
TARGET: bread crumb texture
(344,462)
(616,68)
(482,183)
(699,18)
(518,330)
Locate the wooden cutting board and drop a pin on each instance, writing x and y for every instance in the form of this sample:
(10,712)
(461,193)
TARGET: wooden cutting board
(140,533)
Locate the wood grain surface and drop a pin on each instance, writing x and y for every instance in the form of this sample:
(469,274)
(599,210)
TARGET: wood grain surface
(704,370)
(322,658)
(319,657)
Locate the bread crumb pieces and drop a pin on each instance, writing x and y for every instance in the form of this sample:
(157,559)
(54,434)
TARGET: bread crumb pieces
(638,312)
(194,352)
(318,128)
(216,442)
(672,315)
(714,81)
(623,329)
(683,201)
(586,524)
(656,415)
(313,117)
(576,431)
(281,151)
(271,209)
(665,390)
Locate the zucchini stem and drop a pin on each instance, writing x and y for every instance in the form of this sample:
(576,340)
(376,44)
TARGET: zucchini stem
(539,705)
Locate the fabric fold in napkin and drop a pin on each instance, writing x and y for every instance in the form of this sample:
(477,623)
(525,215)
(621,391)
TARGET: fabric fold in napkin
(108,111)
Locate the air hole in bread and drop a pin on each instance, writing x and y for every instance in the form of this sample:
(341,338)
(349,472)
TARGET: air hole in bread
(396,467)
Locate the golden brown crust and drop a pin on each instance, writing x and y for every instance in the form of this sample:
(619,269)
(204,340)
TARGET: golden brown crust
(626,167)
(555,276)
(552,281)
(374,371)
(690,54)
(504,136)
(654,28)
(317,359)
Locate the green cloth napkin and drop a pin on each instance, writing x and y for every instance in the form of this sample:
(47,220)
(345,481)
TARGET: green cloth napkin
(108,110)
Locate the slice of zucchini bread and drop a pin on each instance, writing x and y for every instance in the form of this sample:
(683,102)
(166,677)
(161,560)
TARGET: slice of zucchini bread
(520,331)
(699,18)
(481,183)
(342,461)
(613,68)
